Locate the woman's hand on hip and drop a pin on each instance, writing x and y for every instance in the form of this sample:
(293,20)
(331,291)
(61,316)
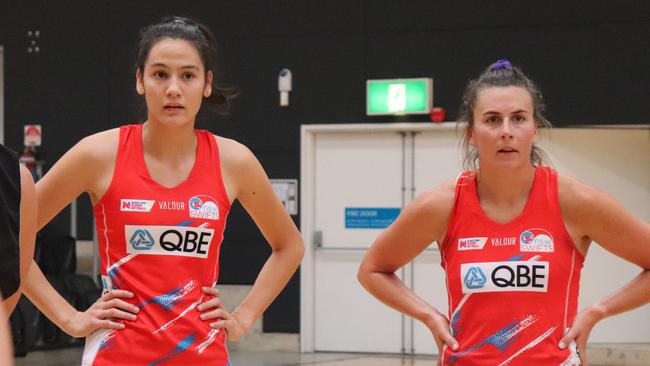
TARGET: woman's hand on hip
(106,312)
(214,309)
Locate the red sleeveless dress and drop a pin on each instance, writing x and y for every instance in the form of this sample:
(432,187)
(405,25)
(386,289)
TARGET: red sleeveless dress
(162,244)
(513,288)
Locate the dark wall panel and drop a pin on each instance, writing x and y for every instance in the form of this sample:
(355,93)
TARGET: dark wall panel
(576,67)
(590,59)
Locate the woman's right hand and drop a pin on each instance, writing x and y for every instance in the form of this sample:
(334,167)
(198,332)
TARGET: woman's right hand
(104,313)
(438,324)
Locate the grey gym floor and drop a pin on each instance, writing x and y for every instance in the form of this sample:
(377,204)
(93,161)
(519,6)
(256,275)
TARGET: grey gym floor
(72,356)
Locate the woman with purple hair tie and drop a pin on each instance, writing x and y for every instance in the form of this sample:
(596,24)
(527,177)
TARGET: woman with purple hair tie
(513,235)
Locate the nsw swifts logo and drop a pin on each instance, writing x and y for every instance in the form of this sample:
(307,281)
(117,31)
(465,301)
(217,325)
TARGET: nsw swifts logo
(135,205)
(204,207)
(536,240)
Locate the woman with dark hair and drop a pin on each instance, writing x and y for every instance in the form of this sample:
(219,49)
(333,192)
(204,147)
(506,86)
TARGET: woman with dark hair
(18,232)
(161,192)
(512,235)
(17,228)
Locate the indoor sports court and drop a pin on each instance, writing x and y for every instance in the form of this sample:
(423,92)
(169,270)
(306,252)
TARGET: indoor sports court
(336,138)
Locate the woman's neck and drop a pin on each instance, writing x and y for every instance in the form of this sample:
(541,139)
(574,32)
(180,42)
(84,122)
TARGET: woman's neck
(505,187)
(168,142)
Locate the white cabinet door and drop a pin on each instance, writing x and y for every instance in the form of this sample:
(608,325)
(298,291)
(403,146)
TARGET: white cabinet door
(352,170)
(436,158)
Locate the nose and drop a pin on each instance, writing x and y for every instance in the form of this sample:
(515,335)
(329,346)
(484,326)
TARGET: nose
(173,88)
(506,128)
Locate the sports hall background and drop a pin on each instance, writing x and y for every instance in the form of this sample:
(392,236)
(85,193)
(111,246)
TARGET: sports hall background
(591,58)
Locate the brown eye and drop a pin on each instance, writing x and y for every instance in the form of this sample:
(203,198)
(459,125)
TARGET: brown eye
(160,74)
(188,76)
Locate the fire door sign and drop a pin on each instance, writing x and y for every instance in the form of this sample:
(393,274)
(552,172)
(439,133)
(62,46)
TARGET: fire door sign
(33,135)
(370,217)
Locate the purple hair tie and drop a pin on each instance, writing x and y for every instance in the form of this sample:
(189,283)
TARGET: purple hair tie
(501,65)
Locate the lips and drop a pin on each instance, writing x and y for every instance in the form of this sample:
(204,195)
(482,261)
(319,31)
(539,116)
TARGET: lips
(508,150)
(173,106)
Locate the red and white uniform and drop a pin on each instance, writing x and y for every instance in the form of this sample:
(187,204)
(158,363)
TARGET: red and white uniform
(513,288)
(163,245)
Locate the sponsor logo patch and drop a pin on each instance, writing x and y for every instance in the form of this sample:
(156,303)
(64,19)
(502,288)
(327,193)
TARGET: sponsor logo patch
(135,205)
(471,243)
(141,240)
(475,278)
(529,276)
(184,241)
(203,207)
(536,240)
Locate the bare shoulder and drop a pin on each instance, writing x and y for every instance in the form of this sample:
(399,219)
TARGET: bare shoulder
(436,203)
(586,209)
(234,154)
(99,147)
(576,197)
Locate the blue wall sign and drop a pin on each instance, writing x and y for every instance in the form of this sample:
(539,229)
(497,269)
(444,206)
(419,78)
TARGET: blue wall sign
(370,217)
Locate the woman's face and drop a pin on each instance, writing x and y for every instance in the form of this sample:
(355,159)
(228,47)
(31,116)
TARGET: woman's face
(173,82)
(504,129)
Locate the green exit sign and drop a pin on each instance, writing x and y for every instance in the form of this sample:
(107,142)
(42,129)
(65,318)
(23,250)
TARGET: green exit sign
(399,96)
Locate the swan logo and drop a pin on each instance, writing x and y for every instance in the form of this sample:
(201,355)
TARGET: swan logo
(536,240)
(203,207)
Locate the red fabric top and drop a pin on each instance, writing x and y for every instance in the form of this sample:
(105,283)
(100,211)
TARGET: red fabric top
(513,288)
(163,245)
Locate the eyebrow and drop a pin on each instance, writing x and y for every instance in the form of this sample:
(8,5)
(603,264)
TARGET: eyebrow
(160,64)
(489,113)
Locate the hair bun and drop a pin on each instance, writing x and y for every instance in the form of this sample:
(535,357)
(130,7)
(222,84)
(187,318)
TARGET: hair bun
(501,65)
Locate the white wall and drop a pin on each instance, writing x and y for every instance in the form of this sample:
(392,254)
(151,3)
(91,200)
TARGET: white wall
(616,161)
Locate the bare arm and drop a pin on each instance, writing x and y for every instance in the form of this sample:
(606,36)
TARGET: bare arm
(78,171)
(593,215)
(27,235)
(423,221)
(6,351)
(252,188)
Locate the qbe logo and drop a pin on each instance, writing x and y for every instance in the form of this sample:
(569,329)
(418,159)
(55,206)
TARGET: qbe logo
(203,207)
(471,243)
(536,240)
(530,276)
(135,205)
(475,278)
(141,240)
(168,240)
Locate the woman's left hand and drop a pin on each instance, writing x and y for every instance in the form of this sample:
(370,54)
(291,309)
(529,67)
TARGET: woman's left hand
(214,309)
(581,329)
